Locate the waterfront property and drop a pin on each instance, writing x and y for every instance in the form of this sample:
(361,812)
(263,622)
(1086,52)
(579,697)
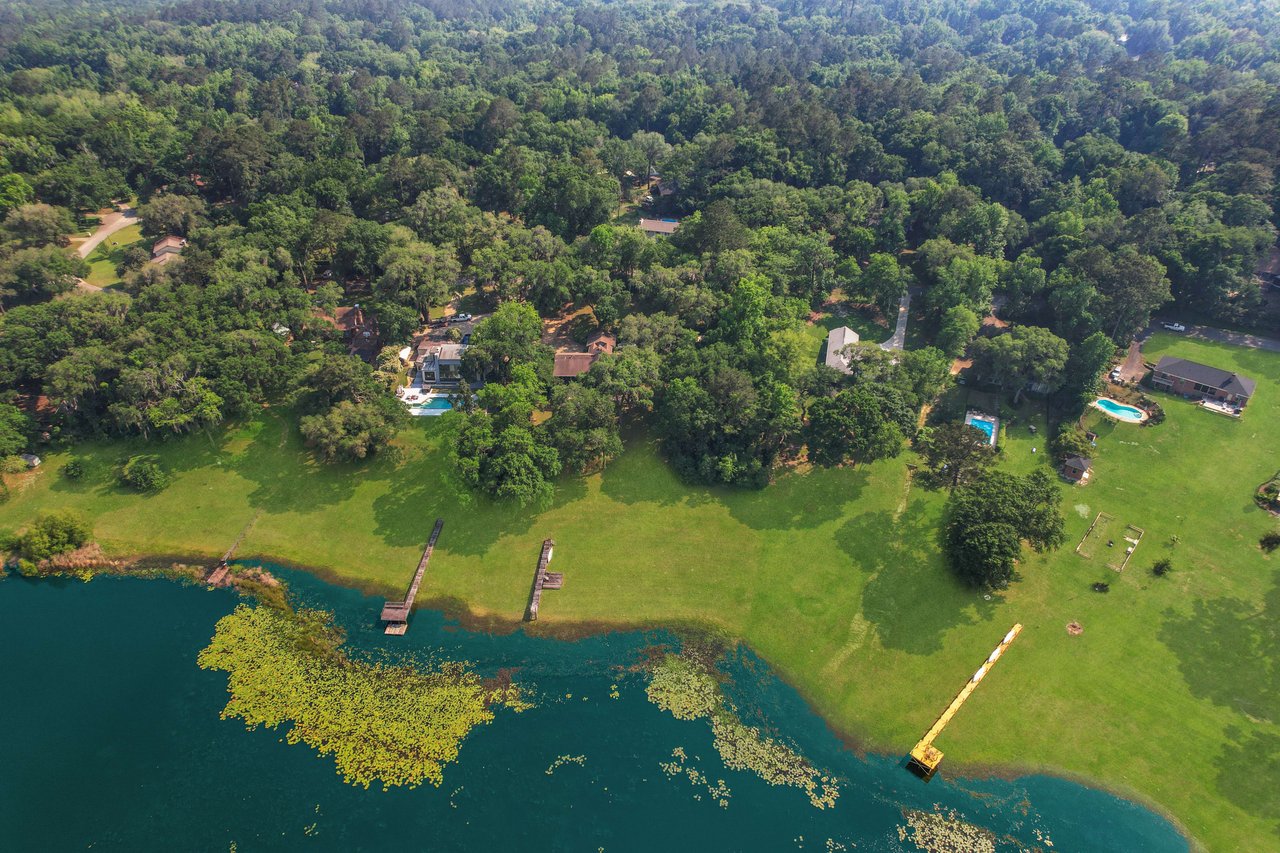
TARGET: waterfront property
(989,425)
(822,574)
(1202,382)
(1120,411)
(837,354)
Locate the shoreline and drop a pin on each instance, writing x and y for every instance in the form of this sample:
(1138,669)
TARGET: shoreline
(171,567)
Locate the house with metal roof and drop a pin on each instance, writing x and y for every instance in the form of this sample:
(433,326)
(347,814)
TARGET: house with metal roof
(1192,379)
(837,340)
(659,227)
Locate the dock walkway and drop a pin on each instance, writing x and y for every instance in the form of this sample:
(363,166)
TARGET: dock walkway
(396,613)
(542,579)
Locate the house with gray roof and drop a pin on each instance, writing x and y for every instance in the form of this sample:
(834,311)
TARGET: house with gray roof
(1192,379)
(440,363)
(837,340)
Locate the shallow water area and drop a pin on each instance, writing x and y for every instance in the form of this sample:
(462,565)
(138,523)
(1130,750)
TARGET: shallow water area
(110,738)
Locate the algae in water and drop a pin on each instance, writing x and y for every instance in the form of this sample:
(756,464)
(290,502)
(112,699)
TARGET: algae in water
(395,724)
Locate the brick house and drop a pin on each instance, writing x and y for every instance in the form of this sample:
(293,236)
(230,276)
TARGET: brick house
(1192,379)
(1076,468)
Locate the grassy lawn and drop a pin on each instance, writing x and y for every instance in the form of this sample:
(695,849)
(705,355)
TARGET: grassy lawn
(866,322)
(109,253)
(1171,694)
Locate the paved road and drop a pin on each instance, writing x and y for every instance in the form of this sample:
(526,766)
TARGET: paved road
(110,224)
(1225,336)
(899,339)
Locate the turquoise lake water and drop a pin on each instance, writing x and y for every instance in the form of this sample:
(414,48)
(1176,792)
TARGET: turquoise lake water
(110,740)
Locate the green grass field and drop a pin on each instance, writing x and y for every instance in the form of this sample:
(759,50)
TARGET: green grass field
(1171,694)
(104,259)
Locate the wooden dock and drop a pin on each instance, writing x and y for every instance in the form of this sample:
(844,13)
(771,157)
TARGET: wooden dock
(396,613)
(543,579)
(218,576)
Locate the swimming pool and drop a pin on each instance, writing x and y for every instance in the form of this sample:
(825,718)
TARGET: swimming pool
(431,406)
(1120,411)
(989,424)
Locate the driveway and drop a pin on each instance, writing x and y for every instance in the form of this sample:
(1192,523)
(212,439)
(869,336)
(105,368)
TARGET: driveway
(899,339)
(1134,366)
(110,224)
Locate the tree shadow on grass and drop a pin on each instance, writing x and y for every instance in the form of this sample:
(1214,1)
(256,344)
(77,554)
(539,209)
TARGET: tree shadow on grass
(425,487)
(798,500)
(1249,772)
(911,599)
(1229,652)
(287,477)
(642,475)
(102,460)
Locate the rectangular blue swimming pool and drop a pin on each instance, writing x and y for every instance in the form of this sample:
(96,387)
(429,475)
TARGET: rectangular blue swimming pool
(988,424)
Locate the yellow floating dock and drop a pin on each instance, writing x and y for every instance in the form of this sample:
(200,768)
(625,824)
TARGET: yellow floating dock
(925,757)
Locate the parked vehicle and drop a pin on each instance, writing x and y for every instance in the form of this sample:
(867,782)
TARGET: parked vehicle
(460,318)
(1175,327)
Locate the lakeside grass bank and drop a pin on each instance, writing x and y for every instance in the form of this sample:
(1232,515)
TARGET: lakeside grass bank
(835,577)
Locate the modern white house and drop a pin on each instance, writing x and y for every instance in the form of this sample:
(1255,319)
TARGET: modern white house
(441,363)
(837,340)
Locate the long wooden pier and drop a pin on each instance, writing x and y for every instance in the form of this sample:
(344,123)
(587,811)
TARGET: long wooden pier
(543,579)
(396,613)
(924,757)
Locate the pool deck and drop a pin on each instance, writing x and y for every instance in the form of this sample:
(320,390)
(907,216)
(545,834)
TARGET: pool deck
(974,415)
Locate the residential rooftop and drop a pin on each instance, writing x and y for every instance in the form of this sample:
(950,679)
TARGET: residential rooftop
(1213,377)
(837,340)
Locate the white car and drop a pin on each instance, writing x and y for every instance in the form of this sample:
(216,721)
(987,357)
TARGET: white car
(1174,327)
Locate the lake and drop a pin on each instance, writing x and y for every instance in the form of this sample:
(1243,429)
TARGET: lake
(110,739)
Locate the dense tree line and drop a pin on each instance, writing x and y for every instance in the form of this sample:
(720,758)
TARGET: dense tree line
(1081,165)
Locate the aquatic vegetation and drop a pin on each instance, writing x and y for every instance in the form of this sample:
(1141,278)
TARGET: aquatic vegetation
(683,687)
(396,724)
(743,747)
(720,792)
(562,760)
(945,832)
(687,688)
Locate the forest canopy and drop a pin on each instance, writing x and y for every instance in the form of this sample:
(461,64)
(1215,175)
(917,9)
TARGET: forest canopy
(1081,166)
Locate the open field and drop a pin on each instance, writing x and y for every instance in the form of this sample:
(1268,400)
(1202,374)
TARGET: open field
(1171,694)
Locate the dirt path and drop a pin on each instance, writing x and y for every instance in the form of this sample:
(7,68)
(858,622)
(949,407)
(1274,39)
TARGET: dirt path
(1134,367)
